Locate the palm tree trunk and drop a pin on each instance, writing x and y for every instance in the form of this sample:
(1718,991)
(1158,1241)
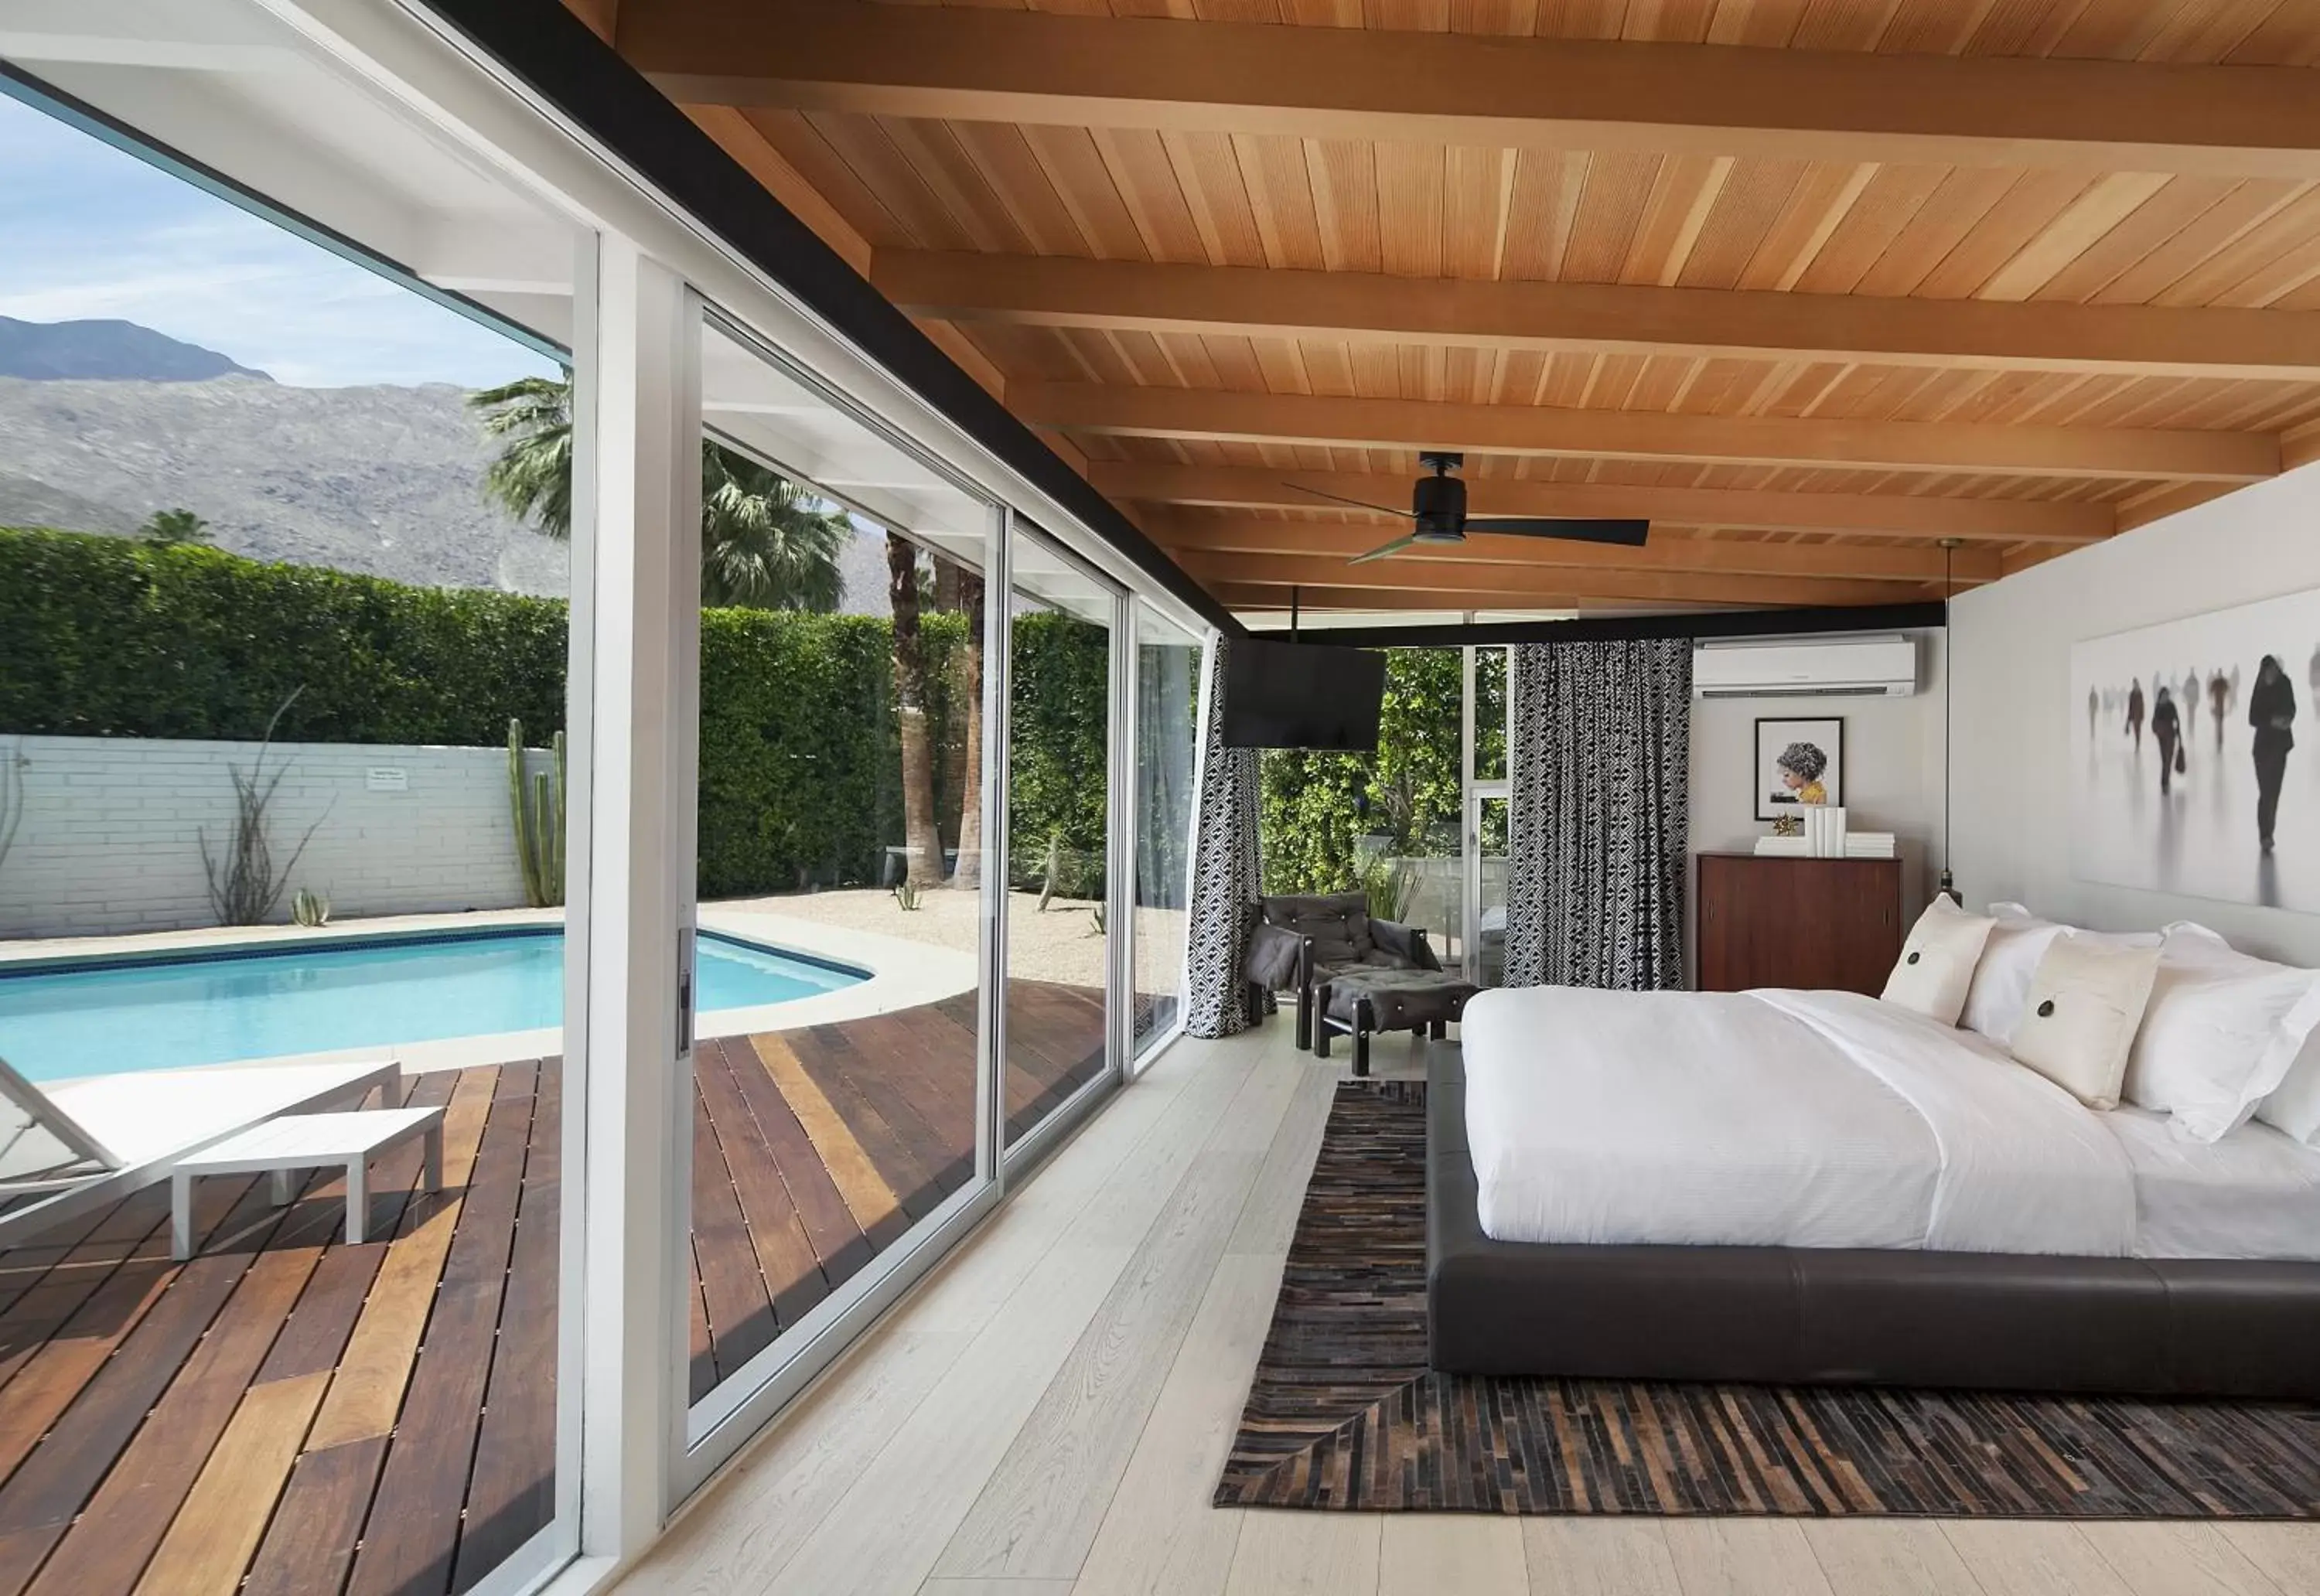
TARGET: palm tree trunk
(919,836)
(969,874)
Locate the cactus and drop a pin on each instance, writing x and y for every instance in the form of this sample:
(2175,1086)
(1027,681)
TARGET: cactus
(539,816)
(310,908)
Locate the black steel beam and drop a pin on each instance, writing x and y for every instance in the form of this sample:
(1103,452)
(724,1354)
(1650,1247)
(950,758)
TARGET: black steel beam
(554,55)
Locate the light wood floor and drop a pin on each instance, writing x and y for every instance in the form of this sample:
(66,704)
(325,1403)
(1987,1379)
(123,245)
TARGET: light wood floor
(1046,1416)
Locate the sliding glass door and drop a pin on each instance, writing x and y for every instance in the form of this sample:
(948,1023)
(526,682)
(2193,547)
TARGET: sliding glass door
(1063,623)
(1481,951)
(839,1117)
(1166,719)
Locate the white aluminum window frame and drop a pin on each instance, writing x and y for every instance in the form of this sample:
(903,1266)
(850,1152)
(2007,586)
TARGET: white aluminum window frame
(625,1461)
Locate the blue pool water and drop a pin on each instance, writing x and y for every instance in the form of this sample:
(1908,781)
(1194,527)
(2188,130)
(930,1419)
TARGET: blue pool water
(158,1013)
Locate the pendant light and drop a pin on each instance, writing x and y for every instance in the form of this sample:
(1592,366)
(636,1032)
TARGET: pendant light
(1948,888)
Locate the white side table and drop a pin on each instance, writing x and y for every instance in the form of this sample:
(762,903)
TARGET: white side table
(280,1147)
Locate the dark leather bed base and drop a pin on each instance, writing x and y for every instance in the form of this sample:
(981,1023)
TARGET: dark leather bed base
(1817,1315)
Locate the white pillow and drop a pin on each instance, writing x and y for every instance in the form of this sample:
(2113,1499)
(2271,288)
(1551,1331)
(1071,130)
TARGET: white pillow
(2220,1032)
(1937,961)
(2295,1107)
(2085,1001)
(1995,1003)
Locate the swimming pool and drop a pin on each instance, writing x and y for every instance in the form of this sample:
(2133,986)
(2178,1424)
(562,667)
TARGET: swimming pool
(116,1017)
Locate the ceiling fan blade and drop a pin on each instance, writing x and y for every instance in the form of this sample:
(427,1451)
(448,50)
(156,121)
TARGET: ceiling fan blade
(1577,531)
(1396,547)
(1341,499)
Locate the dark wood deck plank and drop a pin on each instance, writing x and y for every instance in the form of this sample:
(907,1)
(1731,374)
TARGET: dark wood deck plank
(831,1227)
(311,1542)
(862,1186)
(107,1546)
(408,1540)
(785,1256)
(404,1392)
(328,1492)
(831,1058)
(77,1353)
(862,1067)
(72,1460)
(511,1493)
(739,1305)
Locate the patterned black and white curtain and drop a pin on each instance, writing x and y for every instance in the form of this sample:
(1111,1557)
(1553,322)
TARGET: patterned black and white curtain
(1225,882)
(1598,824)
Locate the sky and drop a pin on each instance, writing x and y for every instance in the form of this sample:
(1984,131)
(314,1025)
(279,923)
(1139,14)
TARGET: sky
(91,231)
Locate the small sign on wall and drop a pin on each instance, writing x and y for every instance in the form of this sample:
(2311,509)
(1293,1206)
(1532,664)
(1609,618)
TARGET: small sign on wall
(386,778)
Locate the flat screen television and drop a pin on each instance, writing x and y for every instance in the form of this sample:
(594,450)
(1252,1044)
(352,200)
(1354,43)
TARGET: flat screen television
(1302,695)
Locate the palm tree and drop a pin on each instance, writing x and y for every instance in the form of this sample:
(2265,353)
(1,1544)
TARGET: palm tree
(532,474)
(765,543)
(921,835)
(170,527)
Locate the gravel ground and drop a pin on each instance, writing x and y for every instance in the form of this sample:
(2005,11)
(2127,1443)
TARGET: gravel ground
(1059,945)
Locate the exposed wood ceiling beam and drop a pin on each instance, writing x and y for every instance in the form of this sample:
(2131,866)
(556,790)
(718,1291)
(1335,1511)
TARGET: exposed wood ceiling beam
(1895,514)
(977,65)
(1468,587)
(1319,542)
(1221,416)
(1059,291)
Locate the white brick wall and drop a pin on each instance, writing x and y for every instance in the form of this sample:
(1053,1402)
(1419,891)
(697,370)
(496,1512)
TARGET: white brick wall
(110,837)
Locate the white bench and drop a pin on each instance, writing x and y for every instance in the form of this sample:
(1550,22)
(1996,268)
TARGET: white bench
(282,1146)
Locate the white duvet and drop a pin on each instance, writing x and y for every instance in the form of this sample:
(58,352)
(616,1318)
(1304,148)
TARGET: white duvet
(1776,1119)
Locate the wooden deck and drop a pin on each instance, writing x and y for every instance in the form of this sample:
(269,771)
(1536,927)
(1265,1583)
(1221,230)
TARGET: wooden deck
(290,1416)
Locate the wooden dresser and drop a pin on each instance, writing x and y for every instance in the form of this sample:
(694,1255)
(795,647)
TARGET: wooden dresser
(1798,922)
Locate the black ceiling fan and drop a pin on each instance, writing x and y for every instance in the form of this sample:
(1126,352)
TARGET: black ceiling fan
(1438,503)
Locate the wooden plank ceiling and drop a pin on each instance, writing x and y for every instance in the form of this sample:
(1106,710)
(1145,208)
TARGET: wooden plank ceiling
(1813,285)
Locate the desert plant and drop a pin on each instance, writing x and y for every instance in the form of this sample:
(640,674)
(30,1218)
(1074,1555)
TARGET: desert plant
(310,908)
(244,884)
(13,765)
(1387,882)
(173,527)
(906,895)
(537,808)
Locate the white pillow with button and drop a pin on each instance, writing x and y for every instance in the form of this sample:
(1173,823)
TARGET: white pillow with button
(2085,1002)
(1937,966)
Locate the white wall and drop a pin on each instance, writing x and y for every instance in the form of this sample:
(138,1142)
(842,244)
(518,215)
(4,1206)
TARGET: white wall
(110,839)
(1892,769)
(1892,761)
(2012,642)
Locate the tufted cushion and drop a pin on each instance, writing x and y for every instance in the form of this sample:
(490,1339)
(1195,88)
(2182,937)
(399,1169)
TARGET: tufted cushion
(1338,924)
(1400,1000)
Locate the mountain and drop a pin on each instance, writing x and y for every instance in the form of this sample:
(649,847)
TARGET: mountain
(385,481)
(107,351)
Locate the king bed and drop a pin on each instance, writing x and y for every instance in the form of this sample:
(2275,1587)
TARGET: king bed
(1824,1187)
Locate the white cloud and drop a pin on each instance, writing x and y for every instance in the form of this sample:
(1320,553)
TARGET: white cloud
(93,232)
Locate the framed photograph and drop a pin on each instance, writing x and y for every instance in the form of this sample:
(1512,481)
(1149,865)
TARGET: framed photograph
(2192,765)
(1798,762)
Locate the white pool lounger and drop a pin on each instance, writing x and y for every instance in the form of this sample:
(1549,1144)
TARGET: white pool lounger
(292,1142)
(67,1149)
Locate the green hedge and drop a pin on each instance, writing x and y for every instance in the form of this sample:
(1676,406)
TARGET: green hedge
(1056,765)
(102,637)
(1315,806)
(800,761)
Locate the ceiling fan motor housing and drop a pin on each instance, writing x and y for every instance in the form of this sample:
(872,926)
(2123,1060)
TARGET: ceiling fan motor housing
(1439,505)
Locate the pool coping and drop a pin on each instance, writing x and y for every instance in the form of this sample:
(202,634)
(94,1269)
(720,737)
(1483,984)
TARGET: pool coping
(899,975)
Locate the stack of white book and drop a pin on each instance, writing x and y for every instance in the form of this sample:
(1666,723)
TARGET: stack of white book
(1858,845)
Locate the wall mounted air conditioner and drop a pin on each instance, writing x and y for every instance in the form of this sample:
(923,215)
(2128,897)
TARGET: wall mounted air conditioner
(1880,667)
